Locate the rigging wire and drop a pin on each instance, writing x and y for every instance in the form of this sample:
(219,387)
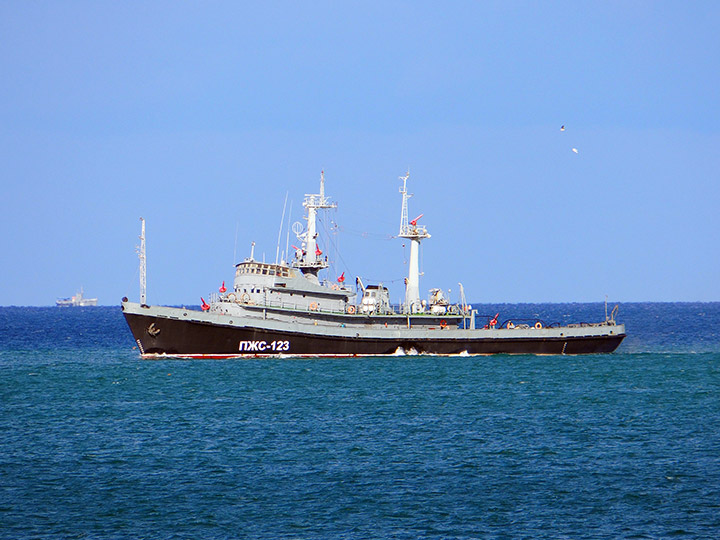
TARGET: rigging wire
(348,267)
(364,234)
(332,232)
(332,244)
(373,280)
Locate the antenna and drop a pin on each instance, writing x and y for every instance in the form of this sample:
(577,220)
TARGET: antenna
(282,220)
(237,225)
(287,238)
(143,265)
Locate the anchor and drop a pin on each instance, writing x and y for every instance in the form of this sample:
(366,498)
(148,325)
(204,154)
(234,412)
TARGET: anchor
(152,330)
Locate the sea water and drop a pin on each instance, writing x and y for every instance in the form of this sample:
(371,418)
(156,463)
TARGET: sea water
(96,443)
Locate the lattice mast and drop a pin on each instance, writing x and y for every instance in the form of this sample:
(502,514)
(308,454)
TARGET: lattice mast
(415,233)
(143,265)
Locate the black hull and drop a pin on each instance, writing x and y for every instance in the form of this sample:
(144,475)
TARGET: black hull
(188,338)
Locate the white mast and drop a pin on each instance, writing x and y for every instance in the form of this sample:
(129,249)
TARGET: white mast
(143,265)
(313,203)
(415,233)
(311,262)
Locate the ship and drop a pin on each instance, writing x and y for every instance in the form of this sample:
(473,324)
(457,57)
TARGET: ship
(76,301)
(288,308)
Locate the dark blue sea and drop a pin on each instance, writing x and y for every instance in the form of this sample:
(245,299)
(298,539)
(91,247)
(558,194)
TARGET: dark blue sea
(96,443)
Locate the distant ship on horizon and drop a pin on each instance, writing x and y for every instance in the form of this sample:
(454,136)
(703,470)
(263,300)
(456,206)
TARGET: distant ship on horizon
(76,301)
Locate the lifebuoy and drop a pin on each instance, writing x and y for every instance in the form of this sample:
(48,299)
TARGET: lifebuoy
(245,298)
(538,325)
(313,306)
(351,310)
(510,325)
(443,324)
(231,297)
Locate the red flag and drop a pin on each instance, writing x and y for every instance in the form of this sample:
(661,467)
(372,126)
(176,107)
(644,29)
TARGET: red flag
(341,278)
(414,221)
(317,251)
(204,306)
(222,288)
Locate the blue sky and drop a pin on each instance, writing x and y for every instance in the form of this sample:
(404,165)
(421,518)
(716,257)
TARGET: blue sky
(201,116)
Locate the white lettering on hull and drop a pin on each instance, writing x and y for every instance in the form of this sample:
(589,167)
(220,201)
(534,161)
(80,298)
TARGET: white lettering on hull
(264,346)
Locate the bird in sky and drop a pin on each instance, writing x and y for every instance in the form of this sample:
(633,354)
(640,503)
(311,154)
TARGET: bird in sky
(575,150)
(562,128)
